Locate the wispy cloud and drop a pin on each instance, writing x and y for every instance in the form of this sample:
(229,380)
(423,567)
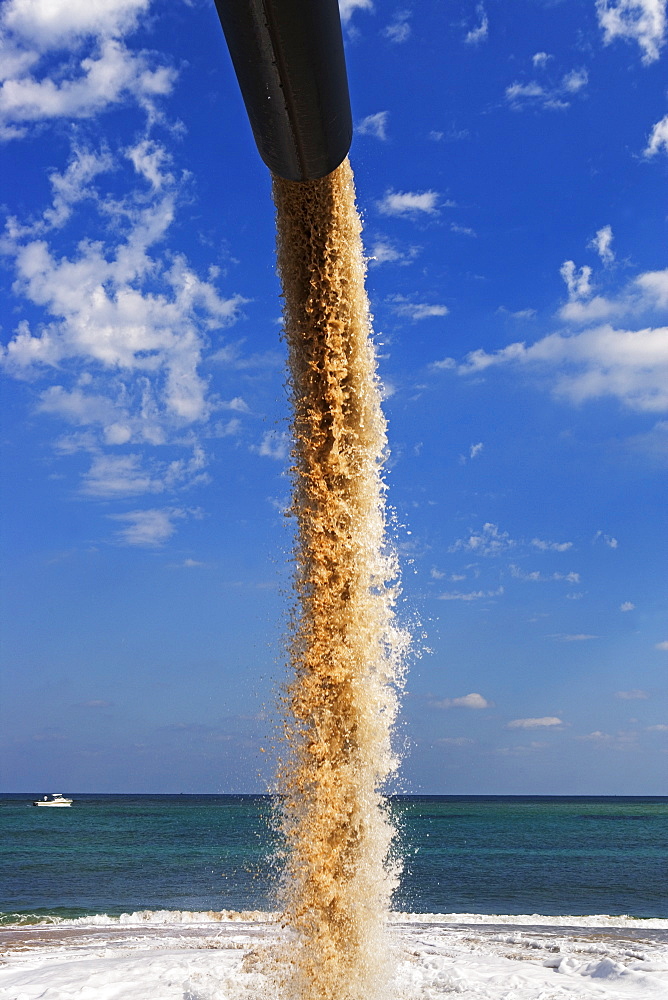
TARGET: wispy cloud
(628,365)
(149,528)
(385,251)
(608,540)
(662,645)
(114,476)
(602,244)
(348,7)
(545,546)
(473,700)
(642,21)
(572,637)
(399,29)
(274,444)
(537,577)
(455,227)
(627,606)
(70,61)
(375,125)
(473,595)
(544,96)
(124,327)
(489,541)
(635,695)
(547,721)
(410,203)
(658,139)
(479,32)
(417,310)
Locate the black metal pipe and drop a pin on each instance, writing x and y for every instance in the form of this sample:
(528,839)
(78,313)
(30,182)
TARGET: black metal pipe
(289,61)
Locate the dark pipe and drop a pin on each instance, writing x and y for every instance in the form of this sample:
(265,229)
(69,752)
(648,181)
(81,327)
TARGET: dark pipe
(289,61)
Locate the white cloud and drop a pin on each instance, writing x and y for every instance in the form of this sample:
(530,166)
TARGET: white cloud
(50,24)
(479,33)
(71,187)
(577,282)
(575,80)
(545,722)
(473,700)
(348,7)
(627,606)
(123,329)
(635,695)
(114,476)
(409,203)
(643,21)
(119,476)
(646,293)
(437,574)
(384,251)
(570,637)
(608,540)
(543,546)
(537,577)
(653,444)
(456,741)
(417,310)
(517,314)
(237,404)
(475,449)
(399,30)
(455,227)
(148,528)
(522,751)
(662,645)
(629,365)
(95,70)
(148,158)
(375,125)
(659,728)
(551,97)
(516,92)
(474,595)
(658,139)
(274,444)
(137,322)
(541,59)
(602,244)
(489,541)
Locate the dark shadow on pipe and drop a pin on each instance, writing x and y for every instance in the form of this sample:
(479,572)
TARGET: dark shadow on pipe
(289,60)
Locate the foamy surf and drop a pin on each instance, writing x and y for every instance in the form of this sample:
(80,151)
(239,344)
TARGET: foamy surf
(228,955)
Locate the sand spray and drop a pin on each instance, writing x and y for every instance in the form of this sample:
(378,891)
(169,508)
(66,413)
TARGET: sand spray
(346,648)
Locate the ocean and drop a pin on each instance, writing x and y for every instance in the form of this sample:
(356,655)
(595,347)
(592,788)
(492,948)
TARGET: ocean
(119,853)
(565,894)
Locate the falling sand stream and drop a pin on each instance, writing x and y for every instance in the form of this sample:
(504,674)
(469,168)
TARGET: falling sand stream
(346,648)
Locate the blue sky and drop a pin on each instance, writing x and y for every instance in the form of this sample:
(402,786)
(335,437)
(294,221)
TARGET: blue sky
(511,162)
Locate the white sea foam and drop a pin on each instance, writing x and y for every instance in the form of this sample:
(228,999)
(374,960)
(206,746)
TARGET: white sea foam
(183,955)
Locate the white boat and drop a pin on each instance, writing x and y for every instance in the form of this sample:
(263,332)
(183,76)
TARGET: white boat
(55,799)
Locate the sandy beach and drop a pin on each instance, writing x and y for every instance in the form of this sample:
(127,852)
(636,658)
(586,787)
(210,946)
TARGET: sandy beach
(178,955)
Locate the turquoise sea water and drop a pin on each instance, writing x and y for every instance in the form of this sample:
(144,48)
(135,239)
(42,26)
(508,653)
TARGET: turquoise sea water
(120,853)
